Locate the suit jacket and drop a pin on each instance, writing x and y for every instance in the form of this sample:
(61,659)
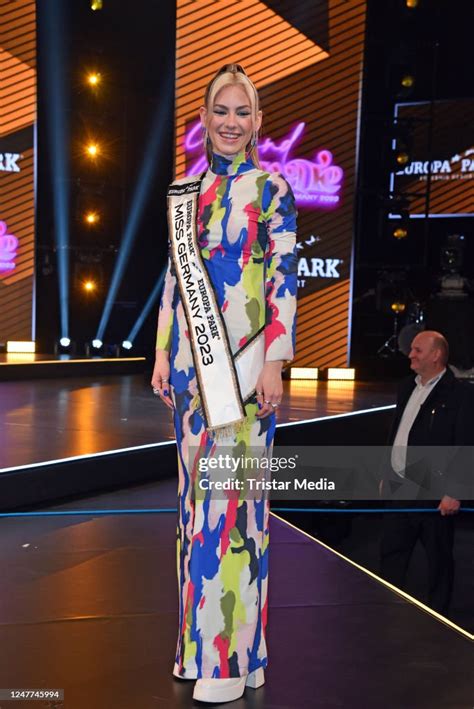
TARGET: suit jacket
(445,419)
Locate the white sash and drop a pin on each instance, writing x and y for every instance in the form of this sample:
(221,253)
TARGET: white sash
(223,384)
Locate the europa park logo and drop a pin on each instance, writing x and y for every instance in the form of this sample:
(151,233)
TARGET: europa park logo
(8,249)
(315,267)
(9,162)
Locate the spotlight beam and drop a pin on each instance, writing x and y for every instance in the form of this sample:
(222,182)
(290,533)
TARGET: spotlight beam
(140,197)
(146,308)
(54,32)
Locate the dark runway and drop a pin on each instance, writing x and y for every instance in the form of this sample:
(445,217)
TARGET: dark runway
(89,601)
(90,606)
(49,419)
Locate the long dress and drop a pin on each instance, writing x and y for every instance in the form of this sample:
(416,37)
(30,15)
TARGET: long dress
(246,235)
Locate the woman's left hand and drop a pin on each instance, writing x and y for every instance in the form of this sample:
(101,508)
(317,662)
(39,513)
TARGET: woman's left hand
(269,388)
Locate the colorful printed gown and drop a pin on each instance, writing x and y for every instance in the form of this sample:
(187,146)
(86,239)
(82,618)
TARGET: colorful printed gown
(246,233)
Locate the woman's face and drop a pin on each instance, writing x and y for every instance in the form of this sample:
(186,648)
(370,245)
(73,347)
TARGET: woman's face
(229,123)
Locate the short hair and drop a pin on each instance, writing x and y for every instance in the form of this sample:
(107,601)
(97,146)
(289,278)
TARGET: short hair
(233,75)
(440,343)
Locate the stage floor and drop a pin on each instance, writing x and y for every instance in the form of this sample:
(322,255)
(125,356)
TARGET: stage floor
(90,606)
(52,419)
(32,357)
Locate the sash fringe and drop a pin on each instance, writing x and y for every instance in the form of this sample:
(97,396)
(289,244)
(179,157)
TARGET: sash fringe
(219,433)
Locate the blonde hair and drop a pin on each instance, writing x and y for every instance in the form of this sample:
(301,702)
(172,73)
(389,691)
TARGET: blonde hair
(233,75)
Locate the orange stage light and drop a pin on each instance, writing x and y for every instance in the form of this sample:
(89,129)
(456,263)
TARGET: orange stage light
(92,150)
(400,233)
(93,79)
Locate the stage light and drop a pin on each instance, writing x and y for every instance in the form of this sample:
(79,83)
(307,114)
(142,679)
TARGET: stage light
(92,217)
(412,3)
(19,346)
(97,4)
(402,158)
(64,346)
(127,345)
(400,232)
(97,344)
(147,307)
(90,199)
(398,307)
(408,81)
(93,79)
(140,196)
(341,373)
(58,126)
(304,373)
(92,150)
(89,286)
(20,357)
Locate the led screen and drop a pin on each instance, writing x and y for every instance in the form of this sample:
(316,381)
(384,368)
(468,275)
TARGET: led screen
(305,59)
(17,168)
(441,149)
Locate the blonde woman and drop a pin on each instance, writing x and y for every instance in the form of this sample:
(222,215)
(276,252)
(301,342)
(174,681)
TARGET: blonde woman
(226,326)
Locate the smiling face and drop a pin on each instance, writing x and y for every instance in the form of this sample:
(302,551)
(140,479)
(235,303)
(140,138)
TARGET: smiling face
(425,356)
(229,122)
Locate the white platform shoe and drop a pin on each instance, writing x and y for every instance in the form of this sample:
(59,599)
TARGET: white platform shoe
(227,690)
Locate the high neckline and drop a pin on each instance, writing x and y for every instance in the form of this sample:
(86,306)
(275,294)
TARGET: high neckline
(236,165)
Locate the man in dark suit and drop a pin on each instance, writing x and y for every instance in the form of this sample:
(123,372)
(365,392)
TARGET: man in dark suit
(433,409)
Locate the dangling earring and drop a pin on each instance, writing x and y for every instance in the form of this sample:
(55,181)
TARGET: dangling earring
(254,141)
(205,136)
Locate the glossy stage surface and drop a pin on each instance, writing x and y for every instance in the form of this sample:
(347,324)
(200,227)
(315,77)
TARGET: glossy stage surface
(58,418)
(90,606)
(31,366)
(23,358)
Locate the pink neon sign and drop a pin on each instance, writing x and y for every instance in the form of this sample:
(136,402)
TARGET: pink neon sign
(315,182)
(8,248)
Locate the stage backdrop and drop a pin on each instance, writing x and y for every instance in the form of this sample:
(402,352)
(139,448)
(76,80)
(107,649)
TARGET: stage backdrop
(17,163)
(451,165)
(306,60)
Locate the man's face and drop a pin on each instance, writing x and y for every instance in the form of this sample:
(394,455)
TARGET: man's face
(424,357)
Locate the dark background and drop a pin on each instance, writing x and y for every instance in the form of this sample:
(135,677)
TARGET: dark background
(432,43)
(132,46)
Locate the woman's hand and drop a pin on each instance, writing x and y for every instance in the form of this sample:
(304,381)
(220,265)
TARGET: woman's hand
(161,377)
(269,388)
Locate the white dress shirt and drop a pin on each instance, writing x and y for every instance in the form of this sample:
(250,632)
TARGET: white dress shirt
(418,396)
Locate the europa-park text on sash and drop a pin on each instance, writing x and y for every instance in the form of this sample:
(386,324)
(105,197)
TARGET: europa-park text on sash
(215,369)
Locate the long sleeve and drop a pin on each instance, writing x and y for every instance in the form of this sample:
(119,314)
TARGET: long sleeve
(459,473)
(281,269)
(166,310)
